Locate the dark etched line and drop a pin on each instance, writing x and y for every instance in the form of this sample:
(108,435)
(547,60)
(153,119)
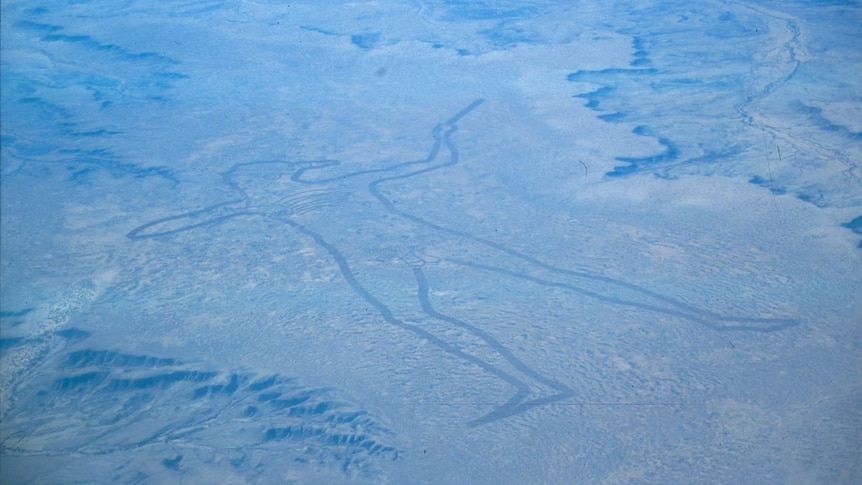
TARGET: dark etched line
(773,324)
(454,159)
(389,206)
(136,232)
(442,134)
(435,149)
(509,410)
(464,112)
(298,175)
(425,302)
(388,317)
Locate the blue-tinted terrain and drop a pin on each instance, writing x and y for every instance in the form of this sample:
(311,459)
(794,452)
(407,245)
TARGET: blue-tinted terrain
(430,242)
(210,418)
